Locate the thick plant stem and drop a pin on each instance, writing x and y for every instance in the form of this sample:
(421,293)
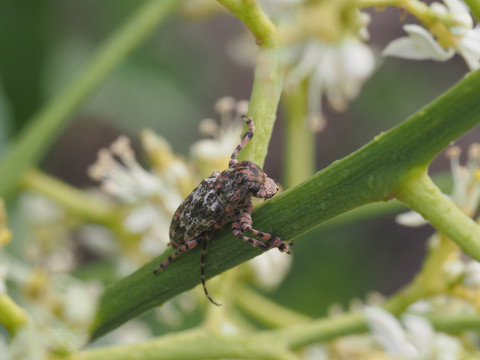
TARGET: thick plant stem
(35,139)
(422,195)
(373,173)
(269,74)
(299,140)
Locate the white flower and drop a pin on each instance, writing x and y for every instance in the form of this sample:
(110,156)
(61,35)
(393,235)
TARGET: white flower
(472,274)
(335,70)
(123,177)
(466,179)
(421,45)
(416,339)
(213,154)
(154,197)
(270,268)
(389,333)
(316,352)
(410,219)
(149,220)
(80,303)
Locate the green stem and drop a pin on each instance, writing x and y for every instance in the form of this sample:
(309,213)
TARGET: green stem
(266,91)
(373,173)
(75,201)
(252,15)
(453,323)
(202,344)
(422,195)
(266,311)
(36,137)
(12,316)
(268,80)
(299,140)
(196,345)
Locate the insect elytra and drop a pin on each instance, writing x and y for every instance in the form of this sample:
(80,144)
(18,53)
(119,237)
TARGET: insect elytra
(224,197)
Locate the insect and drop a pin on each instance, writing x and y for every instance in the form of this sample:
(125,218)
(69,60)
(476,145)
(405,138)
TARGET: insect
(221,198)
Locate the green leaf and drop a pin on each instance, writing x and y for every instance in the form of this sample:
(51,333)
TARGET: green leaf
(370,174)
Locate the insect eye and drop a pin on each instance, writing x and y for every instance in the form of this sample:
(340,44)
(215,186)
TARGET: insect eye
(255,188)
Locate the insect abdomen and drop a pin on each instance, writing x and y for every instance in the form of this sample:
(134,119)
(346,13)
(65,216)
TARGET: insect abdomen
(198,213)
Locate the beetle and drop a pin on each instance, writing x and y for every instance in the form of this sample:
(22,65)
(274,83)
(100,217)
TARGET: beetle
(221,198)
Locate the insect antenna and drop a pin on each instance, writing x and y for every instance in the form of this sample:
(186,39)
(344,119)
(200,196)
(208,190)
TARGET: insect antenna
(245,139)
(202,270)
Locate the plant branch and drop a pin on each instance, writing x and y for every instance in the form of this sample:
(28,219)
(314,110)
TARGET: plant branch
(75,201)
(371,174)
(299,139)
(45,125)
(266,311)
(269,73)
(422,195)
(251,14)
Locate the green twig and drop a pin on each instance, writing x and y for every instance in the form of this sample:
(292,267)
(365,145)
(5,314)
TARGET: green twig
(267,88)
(252,15)
(269,73)
(299,140)
(266,311)
(35,139)
(423,196)
(76,202)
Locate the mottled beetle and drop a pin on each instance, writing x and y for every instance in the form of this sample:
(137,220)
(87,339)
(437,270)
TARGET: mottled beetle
(221,198)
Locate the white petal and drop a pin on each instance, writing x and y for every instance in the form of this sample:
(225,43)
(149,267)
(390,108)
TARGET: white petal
(447,347)
(421,334)
(387,331)
(439,8)
(469,48)
(419,45)
(270,268)
(316,352)
(472,274)
(410,219)
(460,13)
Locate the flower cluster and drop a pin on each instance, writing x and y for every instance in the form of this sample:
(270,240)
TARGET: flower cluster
(420,44)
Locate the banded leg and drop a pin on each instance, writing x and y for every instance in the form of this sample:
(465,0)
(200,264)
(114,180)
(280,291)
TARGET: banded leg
(181,249)
(243,222)
(245,139)
(202,270)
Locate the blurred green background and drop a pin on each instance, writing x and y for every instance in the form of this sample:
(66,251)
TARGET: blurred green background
(172,81)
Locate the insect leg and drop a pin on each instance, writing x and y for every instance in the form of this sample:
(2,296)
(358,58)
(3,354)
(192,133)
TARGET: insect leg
(185,247)
(243,222)
(202,269)
(245,139)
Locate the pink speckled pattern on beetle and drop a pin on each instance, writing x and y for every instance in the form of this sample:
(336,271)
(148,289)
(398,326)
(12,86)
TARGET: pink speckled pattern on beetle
(222,198)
